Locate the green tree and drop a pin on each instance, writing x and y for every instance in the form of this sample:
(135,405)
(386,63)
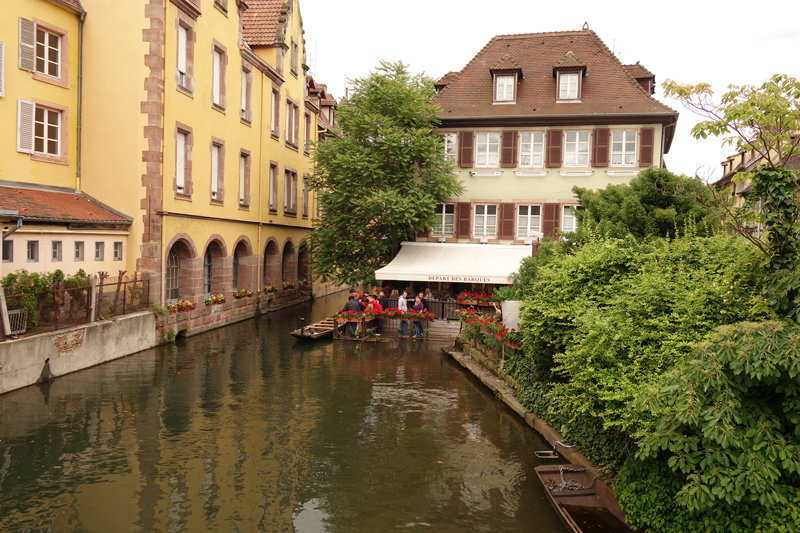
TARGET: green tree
(642,209)
(380,179)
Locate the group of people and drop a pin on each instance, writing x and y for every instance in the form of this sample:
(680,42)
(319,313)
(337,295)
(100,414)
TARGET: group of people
(368,303)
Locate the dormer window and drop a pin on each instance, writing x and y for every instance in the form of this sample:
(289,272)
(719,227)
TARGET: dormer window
(505,88)
(568,85)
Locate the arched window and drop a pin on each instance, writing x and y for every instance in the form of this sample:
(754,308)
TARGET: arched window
(207,273)
(173,265)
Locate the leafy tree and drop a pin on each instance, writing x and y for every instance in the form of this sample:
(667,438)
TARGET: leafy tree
(726,450)
(380,179)
(642,209)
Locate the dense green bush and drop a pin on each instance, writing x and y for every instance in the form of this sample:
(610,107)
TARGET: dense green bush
(725,448)
(37,288)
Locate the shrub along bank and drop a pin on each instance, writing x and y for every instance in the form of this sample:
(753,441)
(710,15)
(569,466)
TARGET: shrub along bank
(659,359)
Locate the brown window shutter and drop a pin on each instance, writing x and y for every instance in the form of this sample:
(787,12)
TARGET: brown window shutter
(554,148)
(466,147)
(550,220)
(463,212)
(506,221)
(600,141)
(508,152)
(646,147)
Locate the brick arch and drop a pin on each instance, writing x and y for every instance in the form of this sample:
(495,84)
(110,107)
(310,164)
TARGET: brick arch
(289,261)
(187,241)
(221,250)
(186,282)
(272,263)
(220,271)
(244,264)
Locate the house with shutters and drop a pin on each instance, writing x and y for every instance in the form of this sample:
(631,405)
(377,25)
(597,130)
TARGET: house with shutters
(531,116)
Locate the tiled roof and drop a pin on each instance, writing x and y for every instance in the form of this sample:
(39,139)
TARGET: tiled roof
(56,206)
(75,3)
(607,88)
(569,60)
(506,63)
(638,71)
(261,21)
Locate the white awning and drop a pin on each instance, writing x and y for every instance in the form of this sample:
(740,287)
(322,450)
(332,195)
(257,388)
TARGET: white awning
(455,262)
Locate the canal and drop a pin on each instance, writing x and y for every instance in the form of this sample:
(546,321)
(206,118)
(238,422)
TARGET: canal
(242,429)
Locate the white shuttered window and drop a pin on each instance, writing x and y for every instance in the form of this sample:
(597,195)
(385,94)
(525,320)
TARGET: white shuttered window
(242,165)
(27,45)
(217,75)
(182,39)
(180,162)
(2,68)
(25,113)
(214,170)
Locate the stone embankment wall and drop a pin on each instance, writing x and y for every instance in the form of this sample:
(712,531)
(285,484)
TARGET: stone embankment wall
(38,358)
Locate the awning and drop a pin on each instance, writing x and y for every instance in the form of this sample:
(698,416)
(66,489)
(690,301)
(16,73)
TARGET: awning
(455,262)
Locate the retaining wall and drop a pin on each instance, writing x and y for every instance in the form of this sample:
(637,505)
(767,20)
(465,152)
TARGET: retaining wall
(29,360)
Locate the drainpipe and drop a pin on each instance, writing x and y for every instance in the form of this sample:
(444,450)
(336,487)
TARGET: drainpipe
(80,100)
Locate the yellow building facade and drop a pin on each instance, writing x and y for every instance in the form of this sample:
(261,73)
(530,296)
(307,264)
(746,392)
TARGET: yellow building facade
(185,128)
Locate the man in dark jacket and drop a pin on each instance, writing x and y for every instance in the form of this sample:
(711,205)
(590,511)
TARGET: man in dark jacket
(383,301)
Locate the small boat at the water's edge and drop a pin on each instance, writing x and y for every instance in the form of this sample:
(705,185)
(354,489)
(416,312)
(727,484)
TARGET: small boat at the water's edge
(318,330)
(583,502)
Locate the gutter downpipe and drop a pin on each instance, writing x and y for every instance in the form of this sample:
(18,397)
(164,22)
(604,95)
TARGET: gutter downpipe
(80,102)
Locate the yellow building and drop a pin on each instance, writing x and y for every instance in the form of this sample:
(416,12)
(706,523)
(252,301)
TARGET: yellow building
(199,134)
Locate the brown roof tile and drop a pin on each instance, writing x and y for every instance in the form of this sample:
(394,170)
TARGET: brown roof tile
(638,71)
(53,205)
(569,60)
(607,88)
(506,63)
(261,22)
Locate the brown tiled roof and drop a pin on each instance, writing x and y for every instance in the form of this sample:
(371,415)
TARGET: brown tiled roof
(607,88)
(506,63)
(569,60)
(56,206)
(261,22)
(70,4)
(638,71)
(444,80)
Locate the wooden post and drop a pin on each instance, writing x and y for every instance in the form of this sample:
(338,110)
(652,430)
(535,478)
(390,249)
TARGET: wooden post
(4,313)
(116,296)
(99,303)
(57,304)
(90,301)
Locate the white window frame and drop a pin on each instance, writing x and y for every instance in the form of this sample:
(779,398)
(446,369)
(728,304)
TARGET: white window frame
(568,212)
(32,252)
(45,137)
(576,148)
(531,149)
(445,225)
(99,251)
(528,222)
(289,122)
(505,88)
(41,51)
(451,147)
(56,251)
(242,172)
(621,141)
(79,251)
(215,159)
(273,187)
(183,40)
(117,250)
(180,161)
(484,223)
(216,78)
(243,106)
(487,149)
(8,258)
(569,86)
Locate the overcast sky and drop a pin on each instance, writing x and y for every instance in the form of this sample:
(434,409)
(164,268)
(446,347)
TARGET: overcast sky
(718,42)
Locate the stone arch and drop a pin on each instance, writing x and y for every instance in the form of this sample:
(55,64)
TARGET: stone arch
(217,267)
(289,261)
(272,263)
(303,259)
(182,269)
(244,265)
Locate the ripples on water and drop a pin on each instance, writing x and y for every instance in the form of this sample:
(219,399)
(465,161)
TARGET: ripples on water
(243,430)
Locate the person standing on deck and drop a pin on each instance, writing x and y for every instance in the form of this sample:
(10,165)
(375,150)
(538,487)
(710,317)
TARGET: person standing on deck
(402,305)
(418,306)
(382,302)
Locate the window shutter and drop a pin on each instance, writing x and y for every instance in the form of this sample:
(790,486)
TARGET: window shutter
(2,68)
(182,38)
(646,147)
(180,161)
(508,153)
(215,82)
(296,131)
(25,114)
(244,91)
(463,209)
(242,164)
(466,146)
(600,147)
(550,220)
(507,220)
(27,44)
(214,170)
(554,148)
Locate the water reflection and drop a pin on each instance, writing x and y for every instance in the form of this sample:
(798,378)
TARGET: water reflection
(243,429)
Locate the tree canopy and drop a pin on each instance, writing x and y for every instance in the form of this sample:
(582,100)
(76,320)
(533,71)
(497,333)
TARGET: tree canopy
(380,179)
(641,208)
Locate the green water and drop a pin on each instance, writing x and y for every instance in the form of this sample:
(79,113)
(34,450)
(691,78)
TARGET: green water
(243,429)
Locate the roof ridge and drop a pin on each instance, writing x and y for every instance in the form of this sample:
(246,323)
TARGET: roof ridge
(628,74)
(540,34)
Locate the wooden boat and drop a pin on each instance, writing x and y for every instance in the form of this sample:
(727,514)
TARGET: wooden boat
(318,330)
(587,505)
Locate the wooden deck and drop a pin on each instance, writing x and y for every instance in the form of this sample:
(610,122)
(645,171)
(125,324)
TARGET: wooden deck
(438,330)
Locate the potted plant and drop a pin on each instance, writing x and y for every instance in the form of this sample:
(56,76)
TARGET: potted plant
(288,285)
(270,288)
(242,293)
